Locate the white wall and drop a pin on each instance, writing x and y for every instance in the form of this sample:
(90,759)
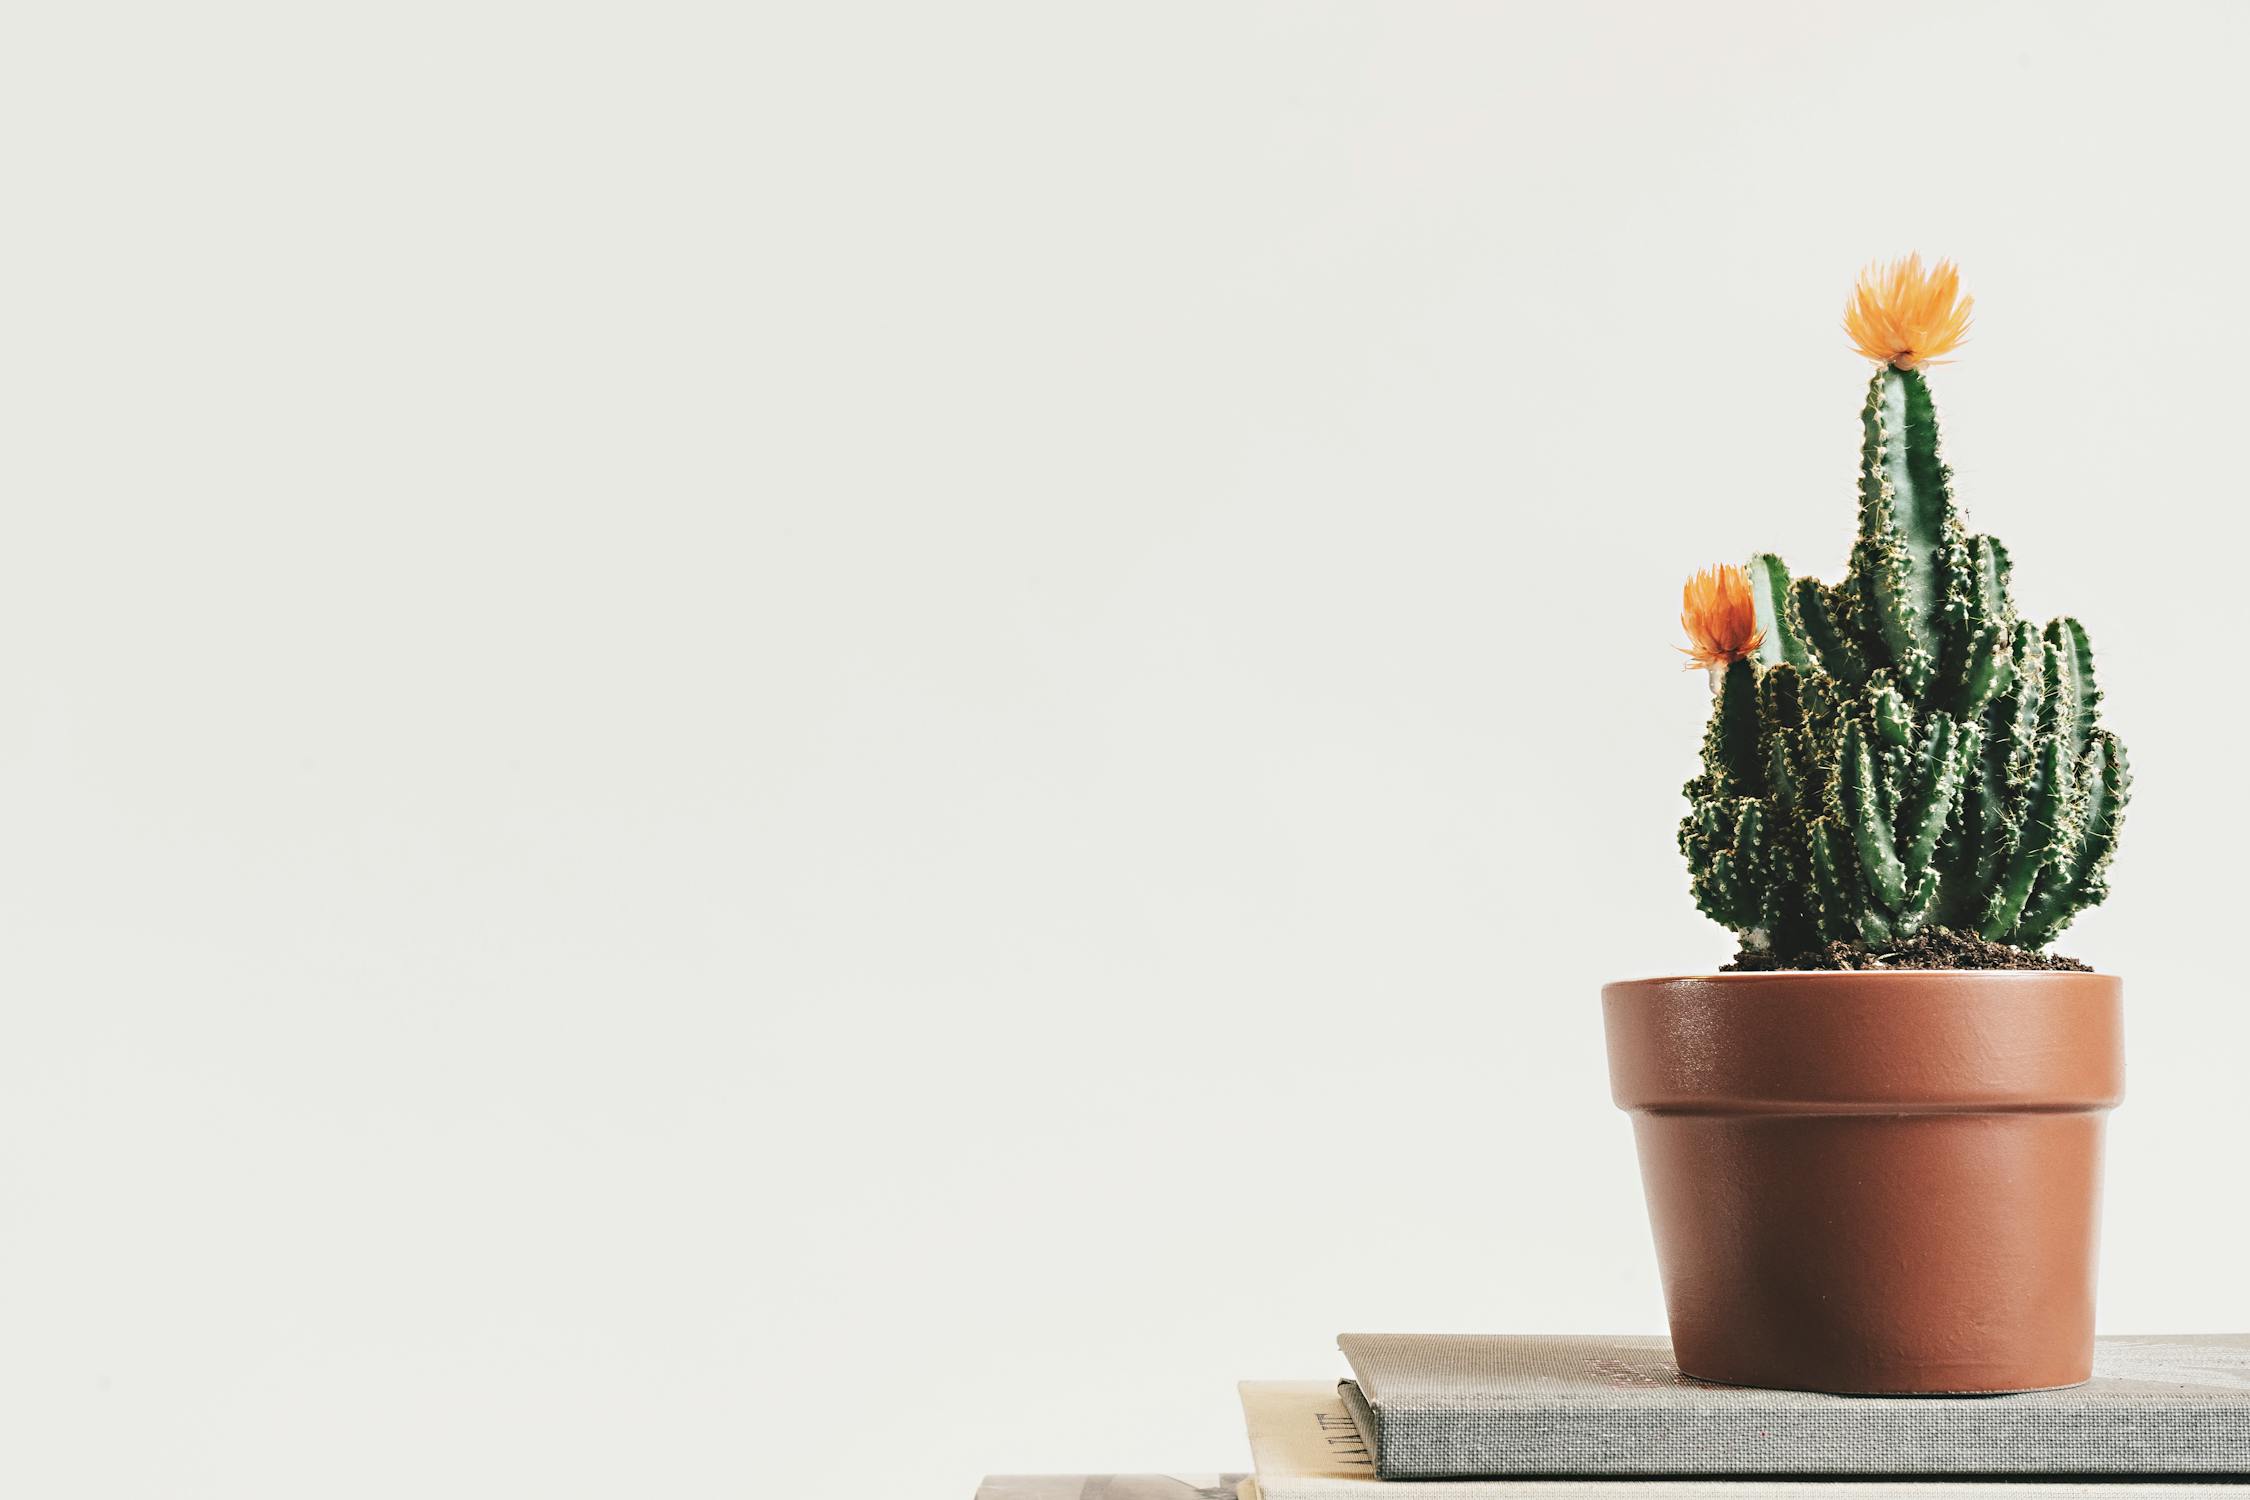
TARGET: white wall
(740,743)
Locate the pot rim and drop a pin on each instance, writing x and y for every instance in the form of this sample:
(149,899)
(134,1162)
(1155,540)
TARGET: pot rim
(1767,976)
(1874,1041)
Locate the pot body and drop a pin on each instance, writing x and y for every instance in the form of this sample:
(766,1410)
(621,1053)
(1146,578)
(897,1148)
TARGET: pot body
(1882,1182)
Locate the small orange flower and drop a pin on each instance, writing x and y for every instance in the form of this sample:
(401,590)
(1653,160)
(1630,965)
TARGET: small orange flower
(1905,316)
(1716,613)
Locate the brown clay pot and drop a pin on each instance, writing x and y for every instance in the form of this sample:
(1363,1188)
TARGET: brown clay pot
(1873,1182)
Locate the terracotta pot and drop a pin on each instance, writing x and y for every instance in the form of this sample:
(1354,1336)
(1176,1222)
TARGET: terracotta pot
(1873,1182)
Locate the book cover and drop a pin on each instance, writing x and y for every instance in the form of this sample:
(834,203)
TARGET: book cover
(1305,1446)
(1110,1487)
(1453,1405)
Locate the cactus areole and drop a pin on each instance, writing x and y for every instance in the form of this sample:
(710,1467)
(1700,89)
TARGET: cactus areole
(1899,754)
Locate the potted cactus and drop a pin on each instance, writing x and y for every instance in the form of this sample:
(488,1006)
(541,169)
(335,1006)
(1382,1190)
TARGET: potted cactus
(1872,1149)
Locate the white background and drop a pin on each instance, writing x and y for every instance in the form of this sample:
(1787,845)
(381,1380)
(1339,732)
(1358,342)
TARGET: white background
(743,746)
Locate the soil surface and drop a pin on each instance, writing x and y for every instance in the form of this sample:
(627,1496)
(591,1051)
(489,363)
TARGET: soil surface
(1931,948)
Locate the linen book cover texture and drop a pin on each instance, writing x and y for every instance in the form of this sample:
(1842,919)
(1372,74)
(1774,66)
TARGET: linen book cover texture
(1459,1406)
(1304,1447)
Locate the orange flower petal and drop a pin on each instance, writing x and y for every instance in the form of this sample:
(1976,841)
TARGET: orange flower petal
(1719,617)
(1903,315)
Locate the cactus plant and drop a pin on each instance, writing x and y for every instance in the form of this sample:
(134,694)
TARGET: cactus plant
(1899,751)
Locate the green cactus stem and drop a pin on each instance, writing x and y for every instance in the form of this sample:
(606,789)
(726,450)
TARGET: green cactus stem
(1899,748)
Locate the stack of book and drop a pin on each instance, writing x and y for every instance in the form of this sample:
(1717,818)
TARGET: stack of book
(1459,1417)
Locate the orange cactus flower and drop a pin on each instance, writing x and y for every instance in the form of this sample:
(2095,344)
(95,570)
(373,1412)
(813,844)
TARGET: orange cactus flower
(1905,316)
(1719,617)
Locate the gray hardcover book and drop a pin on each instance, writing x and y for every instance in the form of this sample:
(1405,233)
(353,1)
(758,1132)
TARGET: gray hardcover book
(1304,1447)
(1454,1406)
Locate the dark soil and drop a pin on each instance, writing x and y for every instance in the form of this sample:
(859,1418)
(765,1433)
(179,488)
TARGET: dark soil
(1931,948)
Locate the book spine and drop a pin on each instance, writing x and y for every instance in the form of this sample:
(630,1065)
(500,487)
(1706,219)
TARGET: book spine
(1889,1439)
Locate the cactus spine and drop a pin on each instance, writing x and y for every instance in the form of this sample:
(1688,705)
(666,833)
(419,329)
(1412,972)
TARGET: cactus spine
(1901,750)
